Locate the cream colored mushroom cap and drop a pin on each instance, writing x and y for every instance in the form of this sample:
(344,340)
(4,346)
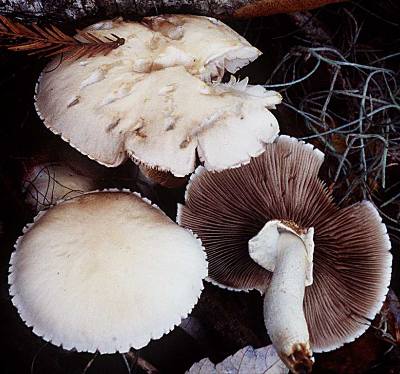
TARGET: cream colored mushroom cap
(47,183)
(206,46)
(152,105)
(160,119)
(105,271)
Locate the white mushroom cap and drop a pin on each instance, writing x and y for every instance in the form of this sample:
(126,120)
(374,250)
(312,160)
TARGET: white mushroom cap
(204,45)
(105,271)
(158,119)
(46,183)
(146,100)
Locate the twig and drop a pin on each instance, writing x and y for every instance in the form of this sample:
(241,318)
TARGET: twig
(135,360)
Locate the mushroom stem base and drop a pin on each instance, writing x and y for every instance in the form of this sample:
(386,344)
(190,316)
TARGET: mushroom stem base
(283,305)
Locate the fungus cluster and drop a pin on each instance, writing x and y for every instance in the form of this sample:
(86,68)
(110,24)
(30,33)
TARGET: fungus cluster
(104,257)
(272,226)
(107,271)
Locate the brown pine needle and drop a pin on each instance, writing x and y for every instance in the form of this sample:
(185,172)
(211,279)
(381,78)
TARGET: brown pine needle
(49,41)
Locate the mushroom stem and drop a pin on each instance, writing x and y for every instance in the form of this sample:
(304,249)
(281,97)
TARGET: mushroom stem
(163,178)
(283,304)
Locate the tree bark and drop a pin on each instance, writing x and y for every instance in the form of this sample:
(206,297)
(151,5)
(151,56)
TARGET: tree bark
(74,10)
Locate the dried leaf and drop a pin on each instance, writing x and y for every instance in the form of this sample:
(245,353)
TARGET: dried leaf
(389,322)
(49,41)
(247,360)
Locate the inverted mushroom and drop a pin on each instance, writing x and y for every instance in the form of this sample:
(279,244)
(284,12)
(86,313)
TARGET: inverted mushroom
(153,99)
(105,271)
(272,225)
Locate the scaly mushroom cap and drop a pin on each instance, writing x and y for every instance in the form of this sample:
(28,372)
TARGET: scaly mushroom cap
(105,271)
(352,260)
(213,46)
(148,100)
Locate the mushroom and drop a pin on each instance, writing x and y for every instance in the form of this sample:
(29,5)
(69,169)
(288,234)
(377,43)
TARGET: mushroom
(205,45)
(46,183)
(157,99)
(105,271)
(272,225)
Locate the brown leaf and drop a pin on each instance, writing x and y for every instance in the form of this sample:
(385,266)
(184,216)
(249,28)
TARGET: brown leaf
(389,324)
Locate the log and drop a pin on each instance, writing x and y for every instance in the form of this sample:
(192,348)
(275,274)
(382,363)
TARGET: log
(62,11)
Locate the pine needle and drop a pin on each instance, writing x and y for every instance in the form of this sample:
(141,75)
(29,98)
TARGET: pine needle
(49,41)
